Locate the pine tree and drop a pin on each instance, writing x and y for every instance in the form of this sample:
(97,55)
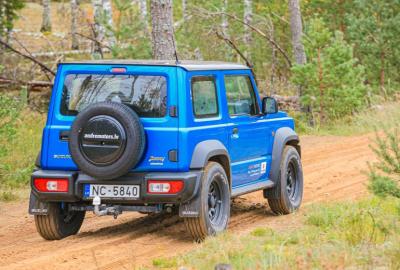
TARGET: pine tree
(333,78)
(374,27)
(8,9)
(162,30)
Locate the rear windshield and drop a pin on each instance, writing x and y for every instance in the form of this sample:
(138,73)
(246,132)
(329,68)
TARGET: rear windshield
(147,95)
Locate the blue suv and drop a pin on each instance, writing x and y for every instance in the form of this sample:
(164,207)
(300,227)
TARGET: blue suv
(154,136)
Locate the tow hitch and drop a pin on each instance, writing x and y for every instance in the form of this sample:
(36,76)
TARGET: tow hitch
(100,209)
(103,210)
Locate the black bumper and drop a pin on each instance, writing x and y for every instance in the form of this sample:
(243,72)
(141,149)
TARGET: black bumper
(77,180)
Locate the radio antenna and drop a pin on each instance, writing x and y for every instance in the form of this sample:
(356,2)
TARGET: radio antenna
(175,50)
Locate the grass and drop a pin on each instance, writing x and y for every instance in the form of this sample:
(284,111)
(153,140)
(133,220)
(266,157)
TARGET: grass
(358,235)
(22,149)
(367,121)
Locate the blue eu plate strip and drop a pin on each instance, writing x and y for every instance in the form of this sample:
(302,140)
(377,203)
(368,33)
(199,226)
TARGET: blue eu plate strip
(86,191)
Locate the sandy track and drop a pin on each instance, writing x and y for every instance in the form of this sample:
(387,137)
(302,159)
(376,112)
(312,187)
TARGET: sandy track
(332,167)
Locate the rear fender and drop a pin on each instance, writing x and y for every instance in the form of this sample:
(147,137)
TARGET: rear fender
(202,153)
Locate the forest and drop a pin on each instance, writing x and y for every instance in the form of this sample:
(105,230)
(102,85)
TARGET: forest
(332,65)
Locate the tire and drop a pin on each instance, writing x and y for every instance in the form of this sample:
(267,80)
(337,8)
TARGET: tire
(107,140)
(287,195)
(58,224)
(215,202)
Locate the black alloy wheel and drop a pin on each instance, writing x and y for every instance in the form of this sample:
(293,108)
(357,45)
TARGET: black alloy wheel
(286,196)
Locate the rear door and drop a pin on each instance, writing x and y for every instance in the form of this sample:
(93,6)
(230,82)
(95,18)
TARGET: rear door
(249,134)
(149,90)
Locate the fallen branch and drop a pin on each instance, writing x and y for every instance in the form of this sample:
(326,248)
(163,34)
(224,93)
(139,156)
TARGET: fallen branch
(43,66)
(31,84)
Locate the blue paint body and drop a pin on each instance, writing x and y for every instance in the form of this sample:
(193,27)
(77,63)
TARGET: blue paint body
(250,150)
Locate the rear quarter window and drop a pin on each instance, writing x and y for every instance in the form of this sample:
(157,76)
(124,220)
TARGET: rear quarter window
(146,95)
(204,97)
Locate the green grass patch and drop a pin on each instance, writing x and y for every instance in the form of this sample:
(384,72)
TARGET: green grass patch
(376,117)
(359,235)
(19,146)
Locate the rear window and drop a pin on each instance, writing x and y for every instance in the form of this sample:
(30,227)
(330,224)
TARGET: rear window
(147,95)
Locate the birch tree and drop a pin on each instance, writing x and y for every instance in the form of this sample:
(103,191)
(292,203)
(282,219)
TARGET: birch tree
(247,18)
(103,23)
(46,21)
(74,25)
(296,28)
(143,12)
(224,23)
(184,10)
(162,30)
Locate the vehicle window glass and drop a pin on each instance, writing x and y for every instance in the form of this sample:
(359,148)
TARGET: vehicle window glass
(240,95)
(204,96)
(147,95)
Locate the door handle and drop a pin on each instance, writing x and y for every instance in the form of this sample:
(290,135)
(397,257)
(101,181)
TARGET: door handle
(235,133)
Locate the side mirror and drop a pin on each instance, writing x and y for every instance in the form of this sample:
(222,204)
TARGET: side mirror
(269,105)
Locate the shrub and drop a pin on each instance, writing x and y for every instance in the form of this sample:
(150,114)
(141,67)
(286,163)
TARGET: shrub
(384,175)
(10,110)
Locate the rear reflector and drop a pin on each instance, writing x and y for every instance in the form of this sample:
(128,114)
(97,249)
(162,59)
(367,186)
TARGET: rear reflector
(164,186)
(51,184)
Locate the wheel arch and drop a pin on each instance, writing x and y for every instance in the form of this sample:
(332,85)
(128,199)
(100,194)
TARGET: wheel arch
(211,150)
(283,136)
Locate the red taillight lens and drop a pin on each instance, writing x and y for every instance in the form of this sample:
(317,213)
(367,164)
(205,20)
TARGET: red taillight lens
(164,186)
(51,184)
(118,70)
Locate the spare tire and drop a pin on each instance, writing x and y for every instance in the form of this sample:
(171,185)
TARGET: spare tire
(107,140)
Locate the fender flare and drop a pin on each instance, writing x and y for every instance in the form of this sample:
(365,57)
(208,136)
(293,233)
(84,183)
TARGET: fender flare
(201,155)
(206,150)
(283,136)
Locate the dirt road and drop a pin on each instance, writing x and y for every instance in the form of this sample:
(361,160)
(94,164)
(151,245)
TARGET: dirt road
(332,167)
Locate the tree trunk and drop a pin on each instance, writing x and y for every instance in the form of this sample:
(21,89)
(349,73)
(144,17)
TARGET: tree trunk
(321,89)
(382,75)
(184,10)
(248,17)
(296,28)
(107,9)
(224,23)
(98,28)
(74,25)
(46,21)
(162,30)
(143,13)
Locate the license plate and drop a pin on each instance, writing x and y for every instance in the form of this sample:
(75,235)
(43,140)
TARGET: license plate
(112,191)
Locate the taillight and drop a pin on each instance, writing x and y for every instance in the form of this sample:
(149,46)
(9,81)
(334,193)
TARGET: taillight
(164,186)
(118,70)
(51,184)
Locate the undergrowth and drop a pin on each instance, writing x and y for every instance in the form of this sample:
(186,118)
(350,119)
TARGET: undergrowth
(358,235)
(376,117)
(20,138)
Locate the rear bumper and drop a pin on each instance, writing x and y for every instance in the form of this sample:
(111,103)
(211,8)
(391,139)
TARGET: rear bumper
(77,180)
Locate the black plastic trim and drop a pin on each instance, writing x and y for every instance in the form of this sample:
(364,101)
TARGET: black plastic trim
(77,180)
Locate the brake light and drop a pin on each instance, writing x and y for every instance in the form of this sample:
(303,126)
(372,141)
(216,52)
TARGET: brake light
(164,186)
(118,70)
(51,184)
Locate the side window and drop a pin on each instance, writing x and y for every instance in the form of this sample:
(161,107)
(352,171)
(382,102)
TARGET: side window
(204,97)
(240,95)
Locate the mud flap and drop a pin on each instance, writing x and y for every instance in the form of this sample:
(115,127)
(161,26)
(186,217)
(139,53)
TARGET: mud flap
(190,208)
(37,207)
